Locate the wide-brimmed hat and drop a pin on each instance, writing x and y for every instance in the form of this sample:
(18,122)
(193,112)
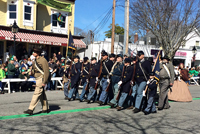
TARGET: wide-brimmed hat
(166,57)
(37,50)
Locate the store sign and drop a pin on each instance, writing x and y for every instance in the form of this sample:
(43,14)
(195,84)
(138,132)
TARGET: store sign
(181,54)
(154,52)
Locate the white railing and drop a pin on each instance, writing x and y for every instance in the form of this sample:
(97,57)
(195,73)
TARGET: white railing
(8,81)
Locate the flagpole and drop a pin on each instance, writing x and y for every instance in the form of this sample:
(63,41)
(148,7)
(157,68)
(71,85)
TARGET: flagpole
(68,43)
(153,69)
(156,60)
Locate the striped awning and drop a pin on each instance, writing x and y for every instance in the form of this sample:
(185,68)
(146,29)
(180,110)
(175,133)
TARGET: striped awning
(39,39)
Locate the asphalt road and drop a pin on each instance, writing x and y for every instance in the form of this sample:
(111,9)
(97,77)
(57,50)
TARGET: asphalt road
(181,118)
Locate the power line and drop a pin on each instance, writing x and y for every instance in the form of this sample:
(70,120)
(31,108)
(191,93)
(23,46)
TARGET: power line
(95,20)
(103,22)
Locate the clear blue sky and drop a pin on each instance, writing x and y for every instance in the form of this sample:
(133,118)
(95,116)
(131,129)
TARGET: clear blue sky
(87,11)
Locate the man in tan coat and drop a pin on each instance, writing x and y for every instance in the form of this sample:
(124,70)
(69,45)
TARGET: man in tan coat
(41,73)
(166,81)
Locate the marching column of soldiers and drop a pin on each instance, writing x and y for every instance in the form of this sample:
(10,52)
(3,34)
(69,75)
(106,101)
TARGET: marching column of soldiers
(118,81)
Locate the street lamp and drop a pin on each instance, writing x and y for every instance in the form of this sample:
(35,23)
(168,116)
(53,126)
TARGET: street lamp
(15,29)
(194,51)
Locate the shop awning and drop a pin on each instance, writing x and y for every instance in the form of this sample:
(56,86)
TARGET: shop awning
(39,39)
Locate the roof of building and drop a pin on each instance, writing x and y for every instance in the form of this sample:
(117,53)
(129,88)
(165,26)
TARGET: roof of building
(40,32)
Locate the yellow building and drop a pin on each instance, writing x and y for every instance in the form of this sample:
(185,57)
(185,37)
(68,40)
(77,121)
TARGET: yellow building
(41,22)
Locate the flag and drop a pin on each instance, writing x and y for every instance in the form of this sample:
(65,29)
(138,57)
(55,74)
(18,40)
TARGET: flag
(156,69)
(60,18)
(71,42)
(63,6)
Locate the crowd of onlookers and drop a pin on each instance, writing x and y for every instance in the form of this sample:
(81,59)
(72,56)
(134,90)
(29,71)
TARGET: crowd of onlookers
(187,73)
(14,68)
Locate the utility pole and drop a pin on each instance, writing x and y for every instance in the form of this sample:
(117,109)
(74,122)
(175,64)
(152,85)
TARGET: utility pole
(113,27)
(91,41)
(126,27)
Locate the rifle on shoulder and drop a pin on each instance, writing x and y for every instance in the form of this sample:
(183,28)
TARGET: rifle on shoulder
(69,76)
(81,73)
(86,87)
(133,77)
(100,71)
(119,90)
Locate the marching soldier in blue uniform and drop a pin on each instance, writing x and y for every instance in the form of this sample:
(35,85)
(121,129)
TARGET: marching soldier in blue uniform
(125,83)
(66,79)
(93,78)
(75,77)
(143,69)
(106,68)
(116,73)
(152,89)
(84,76)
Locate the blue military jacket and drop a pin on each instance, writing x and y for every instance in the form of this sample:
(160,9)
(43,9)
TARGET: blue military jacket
(139,75)
(94,72)
(75,74)
(117,73)
(153,85)
(126,79)
(108,64)
(86,69)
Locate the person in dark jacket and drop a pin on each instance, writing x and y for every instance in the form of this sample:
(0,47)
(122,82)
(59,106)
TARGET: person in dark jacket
(105,80)
(24,75)
(59,56)
(85,69)
(94,72)
(66,79)
(152,89)
(61,70)
(125,83)
(75,77)
(116,72)
(11,73)
(143,68)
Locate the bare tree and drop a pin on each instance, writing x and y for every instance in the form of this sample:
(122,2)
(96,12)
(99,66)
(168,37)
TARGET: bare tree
(170,21)
(80,32)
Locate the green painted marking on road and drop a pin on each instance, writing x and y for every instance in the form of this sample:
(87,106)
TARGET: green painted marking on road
(61,112)
(195,98)
(53,112)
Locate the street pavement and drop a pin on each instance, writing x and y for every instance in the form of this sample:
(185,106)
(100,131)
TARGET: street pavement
(64,118)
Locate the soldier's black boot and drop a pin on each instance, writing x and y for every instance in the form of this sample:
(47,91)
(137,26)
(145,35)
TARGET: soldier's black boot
(136,110)
(100,103)
(45,111)
(111,105)
(30,112)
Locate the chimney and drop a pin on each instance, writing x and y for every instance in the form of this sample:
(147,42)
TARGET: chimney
(135,37)
(148,30)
